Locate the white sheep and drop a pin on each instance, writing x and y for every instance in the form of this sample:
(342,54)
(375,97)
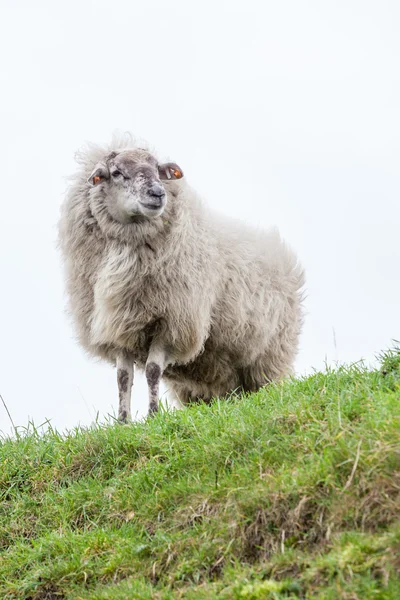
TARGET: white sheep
(156,279)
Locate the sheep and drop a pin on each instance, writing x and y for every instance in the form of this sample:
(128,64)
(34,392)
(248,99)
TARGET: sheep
(157,279)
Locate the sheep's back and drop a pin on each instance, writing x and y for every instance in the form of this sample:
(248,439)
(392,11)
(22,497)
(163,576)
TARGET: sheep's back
(260,289)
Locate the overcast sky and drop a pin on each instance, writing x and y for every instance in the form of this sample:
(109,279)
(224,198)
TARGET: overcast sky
(280,113)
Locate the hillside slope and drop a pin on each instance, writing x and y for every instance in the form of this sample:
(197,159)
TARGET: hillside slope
(293,492)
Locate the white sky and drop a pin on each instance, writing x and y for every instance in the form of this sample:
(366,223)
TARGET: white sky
(280,113)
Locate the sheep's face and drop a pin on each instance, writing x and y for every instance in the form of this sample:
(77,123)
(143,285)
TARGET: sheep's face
(132,181)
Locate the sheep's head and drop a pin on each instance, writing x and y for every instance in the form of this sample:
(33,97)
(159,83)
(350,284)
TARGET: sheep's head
(133,184)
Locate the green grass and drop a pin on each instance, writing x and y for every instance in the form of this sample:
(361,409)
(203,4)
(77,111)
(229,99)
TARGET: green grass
(293,492)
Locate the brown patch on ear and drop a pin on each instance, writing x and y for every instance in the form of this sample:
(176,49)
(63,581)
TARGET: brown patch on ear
(169,171)
(177,173)
(99,173)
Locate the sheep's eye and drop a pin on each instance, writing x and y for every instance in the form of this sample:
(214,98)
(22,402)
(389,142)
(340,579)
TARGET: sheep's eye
(116,173)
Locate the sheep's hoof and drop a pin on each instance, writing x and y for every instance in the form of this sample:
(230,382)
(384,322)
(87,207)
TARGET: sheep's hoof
(124,418)
(153,409)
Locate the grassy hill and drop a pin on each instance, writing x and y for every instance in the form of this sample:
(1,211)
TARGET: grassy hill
(293,492)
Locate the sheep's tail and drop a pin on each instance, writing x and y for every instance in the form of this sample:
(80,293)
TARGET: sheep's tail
(283,259)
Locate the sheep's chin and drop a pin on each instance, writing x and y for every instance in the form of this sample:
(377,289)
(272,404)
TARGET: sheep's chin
(149,212)
(141,213)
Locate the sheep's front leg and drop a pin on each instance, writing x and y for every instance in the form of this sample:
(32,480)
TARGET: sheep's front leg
(155,365)
(125,382)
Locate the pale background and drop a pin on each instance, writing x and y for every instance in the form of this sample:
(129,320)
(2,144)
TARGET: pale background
(280,113)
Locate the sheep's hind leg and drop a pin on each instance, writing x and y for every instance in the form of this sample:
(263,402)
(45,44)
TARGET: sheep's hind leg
(155,365)
(125,381)
(174,401)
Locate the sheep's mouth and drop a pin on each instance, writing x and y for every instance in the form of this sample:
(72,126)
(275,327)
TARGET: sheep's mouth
(153,203)
(152,206)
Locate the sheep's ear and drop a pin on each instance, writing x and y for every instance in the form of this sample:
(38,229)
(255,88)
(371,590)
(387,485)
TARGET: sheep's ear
(99,173)
(170,171)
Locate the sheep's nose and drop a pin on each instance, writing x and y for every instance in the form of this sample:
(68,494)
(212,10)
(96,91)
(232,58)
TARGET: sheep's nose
(156,190)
